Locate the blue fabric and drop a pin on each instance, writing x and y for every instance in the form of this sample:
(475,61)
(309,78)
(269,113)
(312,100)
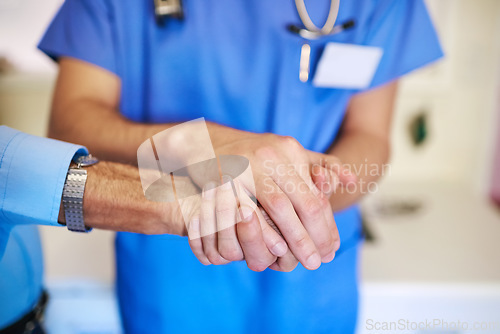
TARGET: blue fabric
(32,174)
(234,63)
(163,288)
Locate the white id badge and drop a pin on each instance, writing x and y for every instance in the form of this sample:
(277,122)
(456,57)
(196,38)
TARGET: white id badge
(347,66)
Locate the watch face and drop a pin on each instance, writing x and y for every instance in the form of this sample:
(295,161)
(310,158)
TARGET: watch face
(86,160)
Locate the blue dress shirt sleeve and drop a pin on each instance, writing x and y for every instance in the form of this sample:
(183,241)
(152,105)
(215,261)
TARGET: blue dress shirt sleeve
(32,175)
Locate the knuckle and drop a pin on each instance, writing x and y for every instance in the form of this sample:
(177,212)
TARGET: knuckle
(290,142)
(335,239)
(325,246)
(278,202)
(266,153)
(204,261)
(336,236)
(247,236)
(224,191)
(287,264)
(206,214)
(313,206)
(257,266)
(337,244)
(231,254)
(261,263)
(250,240)
(303,244)
(290,267)
(215,258)
(224,210)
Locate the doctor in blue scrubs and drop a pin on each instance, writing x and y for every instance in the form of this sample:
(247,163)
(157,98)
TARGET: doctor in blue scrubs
(123,78)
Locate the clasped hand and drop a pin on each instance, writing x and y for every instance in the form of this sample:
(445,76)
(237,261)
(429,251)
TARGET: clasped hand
(292,186)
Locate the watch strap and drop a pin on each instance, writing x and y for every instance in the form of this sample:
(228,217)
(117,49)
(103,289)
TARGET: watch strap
(73,191)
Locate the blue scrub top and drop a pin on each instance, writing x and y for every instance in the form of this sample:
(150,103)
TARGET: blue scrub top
(234,63)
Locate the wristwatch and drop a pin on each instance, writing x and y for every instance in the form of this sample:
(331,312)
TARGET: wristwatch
(74,189)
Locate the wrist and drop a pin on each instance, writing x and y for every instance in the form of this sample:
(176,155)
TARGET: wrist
(114,200)
(167,218)
(221,135)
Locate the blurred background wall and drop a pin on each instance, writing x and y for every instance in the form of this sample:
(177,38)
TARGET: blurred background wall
(431,219)
(458,95)
(25,96)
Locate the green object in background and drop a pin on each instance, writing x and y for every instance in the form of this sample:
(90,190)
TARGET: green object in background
(418,129)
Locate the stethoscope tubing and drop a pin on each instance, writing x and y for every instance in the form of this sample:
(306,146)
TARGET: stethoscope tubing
(310,28)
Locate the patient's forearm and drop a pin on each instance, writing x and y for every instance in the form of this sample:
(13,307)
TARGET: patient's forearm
(114,200)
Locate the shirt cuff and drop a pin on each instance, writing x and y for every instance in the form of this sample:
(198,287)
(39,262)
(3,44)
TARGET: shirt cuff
(34,170)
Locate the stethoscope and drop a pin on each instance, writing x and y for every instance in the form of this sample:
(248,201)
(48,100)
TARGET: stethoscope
(173,8)
(309,31)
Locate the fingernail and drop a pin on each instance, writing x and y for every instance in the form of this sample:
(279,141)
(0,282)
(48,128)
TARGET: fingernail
(209,190)
(246,213)
(313,261)
(279,249)
(328,258)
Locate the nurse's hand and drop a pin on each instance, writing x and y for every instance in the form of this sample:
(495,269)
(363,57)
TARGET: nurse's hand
(282,172)
(281,169)
(327,177)
(220,232)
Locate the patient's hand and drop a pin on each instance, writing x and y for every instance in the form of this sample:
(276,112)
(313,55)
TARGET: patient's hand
(228,226)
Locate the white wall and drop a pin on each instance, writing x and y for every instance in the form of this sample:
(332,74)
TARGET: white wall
(21,26)
(24,104)
(459,94)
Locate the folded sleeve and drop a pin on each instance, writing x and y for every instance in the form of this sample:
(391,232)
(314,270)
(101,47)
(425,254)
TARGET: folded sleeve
(405,32)
(82,30)
(32,175)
